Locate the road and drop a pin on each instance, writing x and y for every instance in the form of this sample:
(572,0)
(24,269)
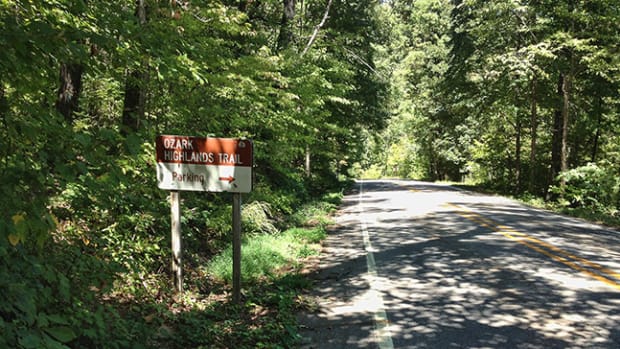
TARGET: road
(421,265)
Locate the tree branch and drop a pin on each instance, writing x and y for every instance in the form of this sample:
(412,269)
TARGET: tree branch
(317,28)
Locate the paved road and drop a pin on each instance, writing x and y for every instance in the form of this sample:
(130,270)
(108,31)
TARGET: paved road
(421,265)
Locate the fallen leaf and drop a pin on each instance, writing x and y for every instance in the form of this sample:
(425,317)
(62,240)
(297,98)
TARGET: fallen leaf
(14,239)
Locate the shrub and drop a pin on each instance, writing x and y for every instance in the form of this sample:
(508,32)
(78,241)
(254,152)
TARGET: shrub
(257,218)
(594,186)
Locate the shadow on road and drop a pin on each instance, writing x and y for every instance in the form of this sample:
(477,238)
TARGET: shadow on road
(448,282)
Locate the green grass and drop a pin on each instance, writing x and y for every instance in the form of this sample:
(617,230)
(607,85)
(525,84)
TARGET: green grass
(263,255)
(608,217)
(307,235)
(605,216)
(318,212)
(274,274)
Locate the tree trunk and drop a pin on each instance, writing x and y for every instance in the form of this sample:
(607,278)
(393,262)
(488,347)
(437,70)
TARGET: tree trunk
(567,85)
(308,170)
(134,101)
(135,95)
(4,103)
(286,32)
(69,89)
(6,147)
(518,142)
(534,134)
(566,90)
(518,156)
(556,145)
(597,135)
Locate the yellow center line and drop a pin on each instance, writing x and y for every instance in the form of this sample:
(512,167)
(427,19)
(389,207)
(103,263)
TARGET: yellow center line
(565,253)
(537,245)
(564,261)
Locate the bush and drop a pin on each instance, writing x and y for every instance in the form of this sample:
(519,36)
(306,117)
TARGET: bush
(257,218)
(53,302)
(594,186)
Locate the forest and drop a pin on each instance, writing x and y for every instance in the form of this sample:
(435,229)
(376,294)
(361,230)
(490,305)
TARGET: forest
(519,97)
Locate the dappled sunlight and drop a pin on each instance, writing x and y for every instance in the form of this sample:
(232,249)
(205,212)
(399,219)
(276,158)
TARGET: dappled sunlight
(493,289)
(449,278)
(366,302)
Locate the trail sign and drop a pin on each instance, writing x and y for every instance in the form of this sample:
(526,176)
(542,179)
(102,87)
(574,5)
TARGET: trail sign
(204,164)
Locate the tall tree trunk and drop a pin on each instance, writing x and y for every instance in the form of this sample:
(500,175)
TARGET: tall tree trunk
(566,94)
(4,103)
(533,133)
(6,142)
(302,17)
(567,85)
(597,135)
(285,37)
(133,102)
(556,143)
(5,145)
(307,165)
(69,89)
(518,143)
(518,128)
(135,94)
(560,149)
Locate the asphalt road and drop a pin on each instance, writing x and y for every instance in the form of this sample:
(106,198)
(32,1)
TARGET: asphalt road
(421,265)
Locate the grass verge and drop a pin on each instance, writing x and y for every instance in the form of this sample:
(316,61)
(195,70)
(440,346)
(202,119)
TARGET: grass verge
(272,285)
(608,217)
(263,255)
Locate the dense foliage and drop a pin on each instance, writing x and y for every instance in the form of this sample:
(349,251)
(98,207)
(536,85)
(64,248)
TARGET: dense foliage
(521,96)
(85,87)
(518,95)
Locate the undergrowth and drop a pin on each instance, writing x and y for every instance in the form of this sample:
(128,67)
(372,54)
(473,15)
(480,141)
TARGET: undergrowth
(264,254)
(104,282)
(270,268)
(271,284)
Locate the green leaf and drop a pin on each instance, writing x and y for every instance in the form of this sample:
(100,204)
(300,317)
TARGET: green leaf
(31,340)
(42,320)
(51,343)
(57,319)
(28,307)
(63,334)
(64,288)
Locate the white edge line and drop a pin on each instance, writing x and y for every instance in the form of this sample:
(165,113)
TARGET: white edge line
(380,316)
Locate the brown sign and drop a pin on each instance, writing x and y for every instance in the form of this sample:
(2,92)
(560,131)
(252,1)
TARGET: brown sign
(204,164)
(204,151)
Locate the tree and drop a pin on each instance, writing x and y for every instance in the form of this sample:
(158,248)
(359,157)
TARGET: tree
(517,77)
(135,94)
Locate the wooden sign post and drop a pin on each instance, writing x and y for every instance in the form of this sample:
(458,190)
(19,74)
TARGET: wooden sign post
(236,215)
(204,164)
(177,265)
